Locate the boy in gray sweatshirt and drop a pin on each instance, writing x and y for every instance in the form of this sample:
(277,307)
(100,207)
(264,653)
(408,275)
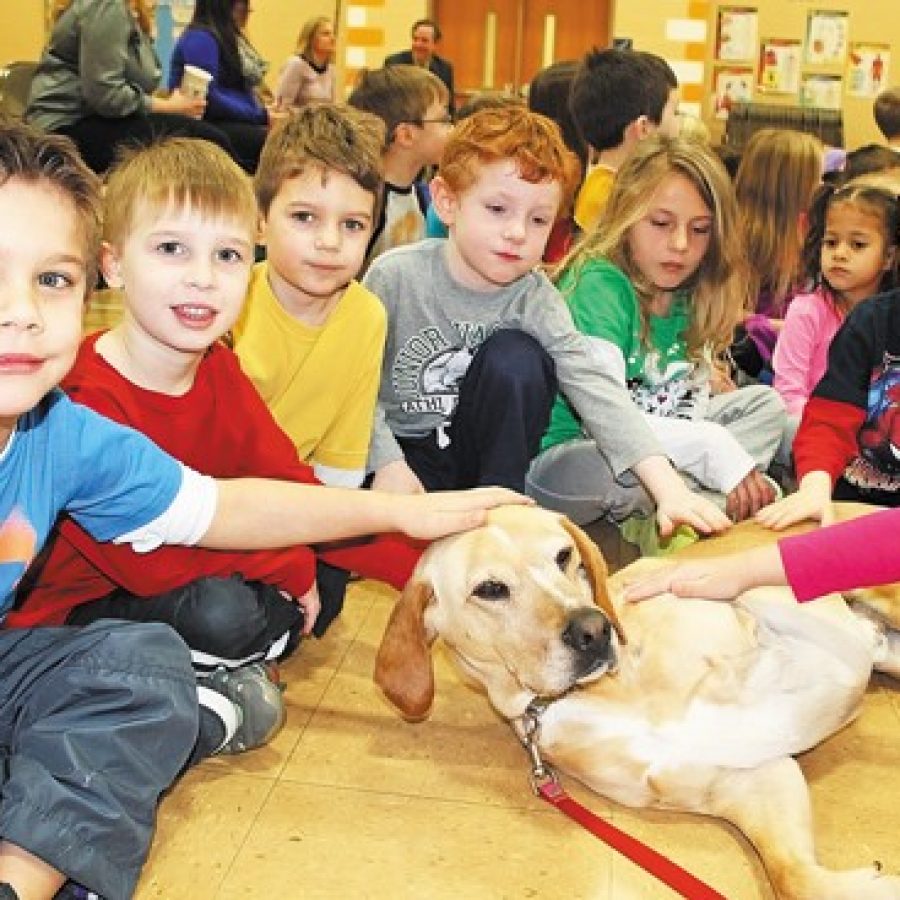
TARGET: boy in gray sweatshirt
(479,342)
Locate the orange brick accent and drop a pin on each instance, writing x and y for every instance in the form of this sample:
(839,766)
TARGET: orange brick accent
(365,37)
(695,52)
(692,93)
(697,9)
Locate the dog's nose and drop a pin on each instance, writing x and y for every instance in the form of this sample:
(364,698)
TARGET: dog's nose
(588,633)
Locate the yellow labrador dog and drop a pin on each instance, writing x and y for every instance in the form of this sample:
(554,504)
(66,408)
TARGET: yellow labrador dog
(678,704)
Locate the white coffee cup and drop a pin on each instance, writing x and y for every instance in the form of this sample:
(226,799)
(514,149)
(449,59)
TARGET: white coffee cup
(195,82)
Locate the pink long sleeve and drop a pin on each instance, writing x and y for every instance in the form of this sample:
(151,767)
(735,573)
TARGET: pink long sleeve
(861,553)
(801,354)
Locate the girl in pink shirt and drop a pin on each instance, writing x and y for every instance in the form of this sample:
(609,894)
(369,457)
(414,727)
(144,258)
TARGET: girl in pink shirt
(850,252)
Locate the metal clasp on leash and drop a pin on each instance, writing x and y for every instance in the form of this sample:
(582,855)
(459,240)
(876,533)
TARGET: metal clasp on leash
(541,773)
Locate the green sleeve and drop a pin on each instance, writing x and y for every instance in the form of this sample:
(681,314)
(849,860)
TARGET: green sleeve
(603,304)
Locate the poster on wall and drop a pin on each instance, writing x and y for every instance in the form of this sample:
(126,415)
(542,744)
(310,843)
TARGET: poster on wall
(826,37)
(867,70)
(779,66)
(821,91)
(736,33)
(732,85)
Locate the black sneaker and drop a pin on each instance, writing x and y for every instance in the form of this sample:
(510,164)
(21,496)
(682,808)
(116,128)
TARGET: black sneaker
(249,706)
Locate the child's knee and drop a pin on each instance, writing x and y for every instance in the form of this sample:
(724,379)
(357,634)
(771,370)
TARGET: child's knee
(517,358)
(766,401)
(233,618)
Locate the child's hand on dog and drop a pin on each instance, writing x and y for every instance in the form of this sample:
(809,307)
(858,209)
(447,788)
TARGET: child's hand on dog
(716,578)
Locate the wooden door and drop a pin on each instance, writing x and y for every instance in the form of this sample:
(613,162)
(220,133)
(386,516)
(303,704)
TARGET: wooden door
(519,28)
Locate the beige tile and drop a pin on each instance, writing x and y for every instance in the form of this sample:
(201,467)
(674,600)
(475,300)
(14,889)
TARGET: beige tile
(306,676)
(320,842)
(202,825)
(853,781)
(710,850)
(350,801)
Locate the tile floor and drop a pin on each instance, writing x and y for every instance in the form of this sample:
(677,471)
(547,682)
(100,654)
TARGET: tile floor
(351,802)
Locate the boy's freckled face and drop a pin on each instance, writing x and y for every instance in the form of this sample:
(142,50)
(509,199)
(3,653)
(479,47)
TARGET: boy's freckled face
(184,275)
(498,226)
(316,234)
(42,291)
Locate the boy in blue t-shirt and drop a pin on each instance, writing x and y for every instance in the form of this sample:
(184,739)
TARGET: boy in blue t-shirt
(111,698)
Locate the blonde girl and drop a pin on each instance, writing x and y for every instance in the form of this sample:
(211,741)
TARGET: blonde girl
(659,287)
(309,73)
(777,177)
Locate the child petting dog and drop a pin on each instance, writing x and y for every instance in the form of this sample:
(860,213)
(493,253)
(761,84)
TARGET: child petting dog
(658,289)
(479,341)
(179,219)
(839,557)
(66,713)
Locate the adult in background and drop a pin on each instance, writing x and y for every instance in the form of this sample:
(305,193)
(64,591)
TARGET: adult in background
(426,34)
(253,65)
(309,72)
(211,42)
(96,78)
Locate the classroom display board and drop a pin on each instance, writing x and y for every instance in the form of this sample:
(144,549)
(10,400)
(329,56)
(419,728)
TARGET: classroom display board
(816,68)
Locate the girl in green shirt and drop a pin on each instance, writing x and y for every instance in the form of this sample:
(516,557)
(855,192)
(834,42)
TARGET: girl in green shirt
(658,287)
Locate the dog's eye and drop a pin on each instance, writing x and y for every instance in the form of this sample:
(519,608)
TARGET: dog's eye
(492,590)
(564,557)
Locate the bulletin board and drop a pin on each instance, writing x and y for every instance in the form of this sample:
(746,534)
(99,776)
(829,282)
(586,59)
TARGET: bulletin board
(830,54)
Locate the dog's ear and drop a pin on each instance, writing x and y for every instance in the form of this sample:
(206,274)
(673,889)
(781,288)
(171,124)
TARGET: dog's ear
(595,566)
(403,667)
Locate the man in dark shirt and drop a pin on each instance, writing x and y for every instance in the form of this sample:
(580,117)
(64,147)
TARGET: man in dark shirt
(425,37)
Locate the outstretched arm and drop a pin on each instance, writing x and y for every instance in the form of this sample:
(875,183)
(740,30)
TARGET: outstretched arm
(675,502)
(716,578)
(253,513)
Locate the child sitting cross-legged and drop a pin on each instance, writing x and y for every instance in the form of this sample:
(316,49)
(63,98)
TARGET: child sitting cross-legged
(479,342)
(178,226)
(95,722)
(657,289)
(318,186)
(850,253)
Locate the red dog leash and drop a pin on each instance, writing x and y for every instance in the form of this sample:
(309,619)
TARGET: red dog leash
(545,784)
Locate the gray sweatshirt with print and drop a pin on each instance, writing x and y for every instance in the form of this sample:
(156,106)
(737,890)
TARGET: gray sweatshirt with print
(435,325)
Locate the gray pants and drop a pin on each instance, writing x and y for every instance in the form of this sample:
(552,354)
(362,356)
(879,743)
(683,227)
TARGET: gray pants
(574,478)
(95,723)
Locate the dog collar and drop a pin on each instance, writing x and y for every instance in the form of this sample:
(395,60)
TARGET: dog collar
(529,732)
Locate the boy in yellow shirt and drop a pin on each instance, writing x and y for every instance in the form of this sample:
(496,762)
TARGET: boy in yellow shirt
(310,337)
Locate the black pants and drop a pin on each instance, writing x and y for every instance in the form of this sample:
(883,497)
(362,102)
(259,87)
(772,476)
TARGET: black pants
(246,140)
(98,138)
(504,407)
(224,621)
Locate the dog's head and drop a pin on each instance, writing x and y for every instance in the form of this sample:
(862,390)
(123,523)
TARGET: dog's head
(522,604)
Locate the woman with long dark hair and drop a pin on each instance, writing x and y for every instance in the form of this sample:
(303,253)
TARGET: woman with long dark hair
(95,83)
(211,42)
